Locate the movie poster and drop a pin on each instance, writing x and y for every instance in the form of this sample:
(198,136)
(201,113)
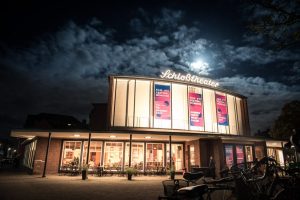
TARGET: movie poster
(222,113)
(195,106)
(162,102)
(229,155)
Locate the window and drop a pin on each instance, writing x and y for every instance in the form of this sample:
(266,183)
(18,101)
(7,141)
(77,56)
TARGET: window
(192,155)
(259,152)
(249,154)
(71,153)
(95,153)
(137,155)
(120,102)
(179,106)
(210,117)
(232,114)
(154,156)
(29,154)
(240,111)
(142,104)
(113,155)
(177,156)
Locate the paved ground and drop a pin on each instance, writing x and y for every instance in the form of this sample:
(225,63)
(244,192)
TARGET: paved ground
(20,186)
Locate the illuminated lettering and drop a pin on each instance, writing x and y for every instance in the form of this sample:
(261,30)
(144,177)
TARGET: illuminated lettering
(168,74)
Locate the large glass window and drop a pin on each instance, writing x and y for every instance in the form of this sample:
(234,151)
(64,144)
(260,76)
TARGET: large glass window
(71,153)
(137,155)
(113,155)
(259,152)
(120,102)
(249,154)
(179,106)
(162,105)
(142,104)
(192,155)
(131,102)
(95,153)
(29,154)
(177,156)
(232,114)
(210,117)
(229,155)
(239,106)
(277,154)
(154,156)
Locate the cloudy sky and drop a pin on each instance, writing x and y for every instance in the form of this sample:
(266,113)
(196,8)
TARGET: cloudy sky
(55,57)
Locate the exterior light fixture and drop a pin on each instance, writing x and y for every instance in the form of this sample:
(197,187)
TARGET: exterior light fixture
(76,135)
(9,149)
(112,136)
(148,137)
(69,124)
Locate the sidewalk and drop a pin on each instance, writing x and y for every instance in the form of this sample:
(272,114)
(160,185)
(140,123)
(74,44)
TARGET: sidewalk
(20,186)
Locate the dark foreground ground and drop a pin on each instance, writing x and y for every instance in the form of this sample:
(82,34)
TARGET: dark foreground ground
(21,186)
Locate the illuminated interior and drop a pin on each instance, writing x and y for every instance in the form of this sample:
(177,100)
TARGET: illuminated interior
(142,103)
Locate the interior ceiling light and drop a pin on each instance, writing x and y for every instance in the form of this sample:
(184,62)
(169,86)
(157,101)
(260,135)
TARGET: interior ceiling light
(148,137)
(112,136)
(76,135)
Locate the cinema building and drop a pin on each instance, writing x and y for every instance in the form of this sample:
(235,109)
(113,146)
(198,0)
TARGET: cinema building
(150,122)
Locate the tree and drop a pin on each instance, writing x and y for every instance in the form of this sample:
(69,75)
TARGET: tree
(288,121)
(278,20)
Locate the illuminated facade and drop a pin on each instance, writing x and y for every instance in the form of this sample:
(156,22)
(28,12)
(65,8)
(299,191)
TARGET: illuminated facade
(145,117)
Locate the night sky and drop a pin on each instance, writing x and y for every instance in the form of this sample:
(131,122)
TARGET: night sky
(55,56)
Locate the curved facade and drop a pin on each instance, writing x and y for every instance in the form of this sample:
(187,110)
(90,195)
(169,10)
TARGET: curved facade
(162,105)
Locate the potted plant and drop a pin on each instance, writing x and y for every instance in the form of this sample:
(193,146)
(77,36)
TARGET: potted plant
(84,171)
(130,171)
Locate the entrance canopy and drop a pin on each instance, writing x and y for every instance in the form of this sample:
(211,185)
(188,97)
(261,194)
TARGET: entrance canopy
(138,136)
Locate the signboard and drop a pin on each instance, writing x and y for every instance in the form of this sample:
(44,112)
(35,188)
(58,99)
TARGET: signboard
(222,113)
(168,74)
(239,154)
(195,108)
(162,102)
(229,155)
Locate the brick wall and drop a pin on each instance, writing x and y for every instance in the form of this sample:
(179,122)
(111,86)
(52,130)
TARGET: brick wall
(53,156)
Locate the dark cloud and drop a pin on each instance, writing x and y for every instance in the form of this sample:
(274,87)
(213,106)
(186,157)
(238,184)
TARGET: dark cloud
(65,71)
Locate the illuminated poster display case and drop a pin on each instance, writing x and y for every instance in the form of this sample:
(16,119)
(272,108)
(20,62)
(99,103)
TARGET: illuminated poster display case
(162,104)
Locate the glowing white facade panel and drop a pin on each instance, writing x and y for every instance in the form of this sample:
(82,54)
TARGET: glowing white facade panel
(156,104)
